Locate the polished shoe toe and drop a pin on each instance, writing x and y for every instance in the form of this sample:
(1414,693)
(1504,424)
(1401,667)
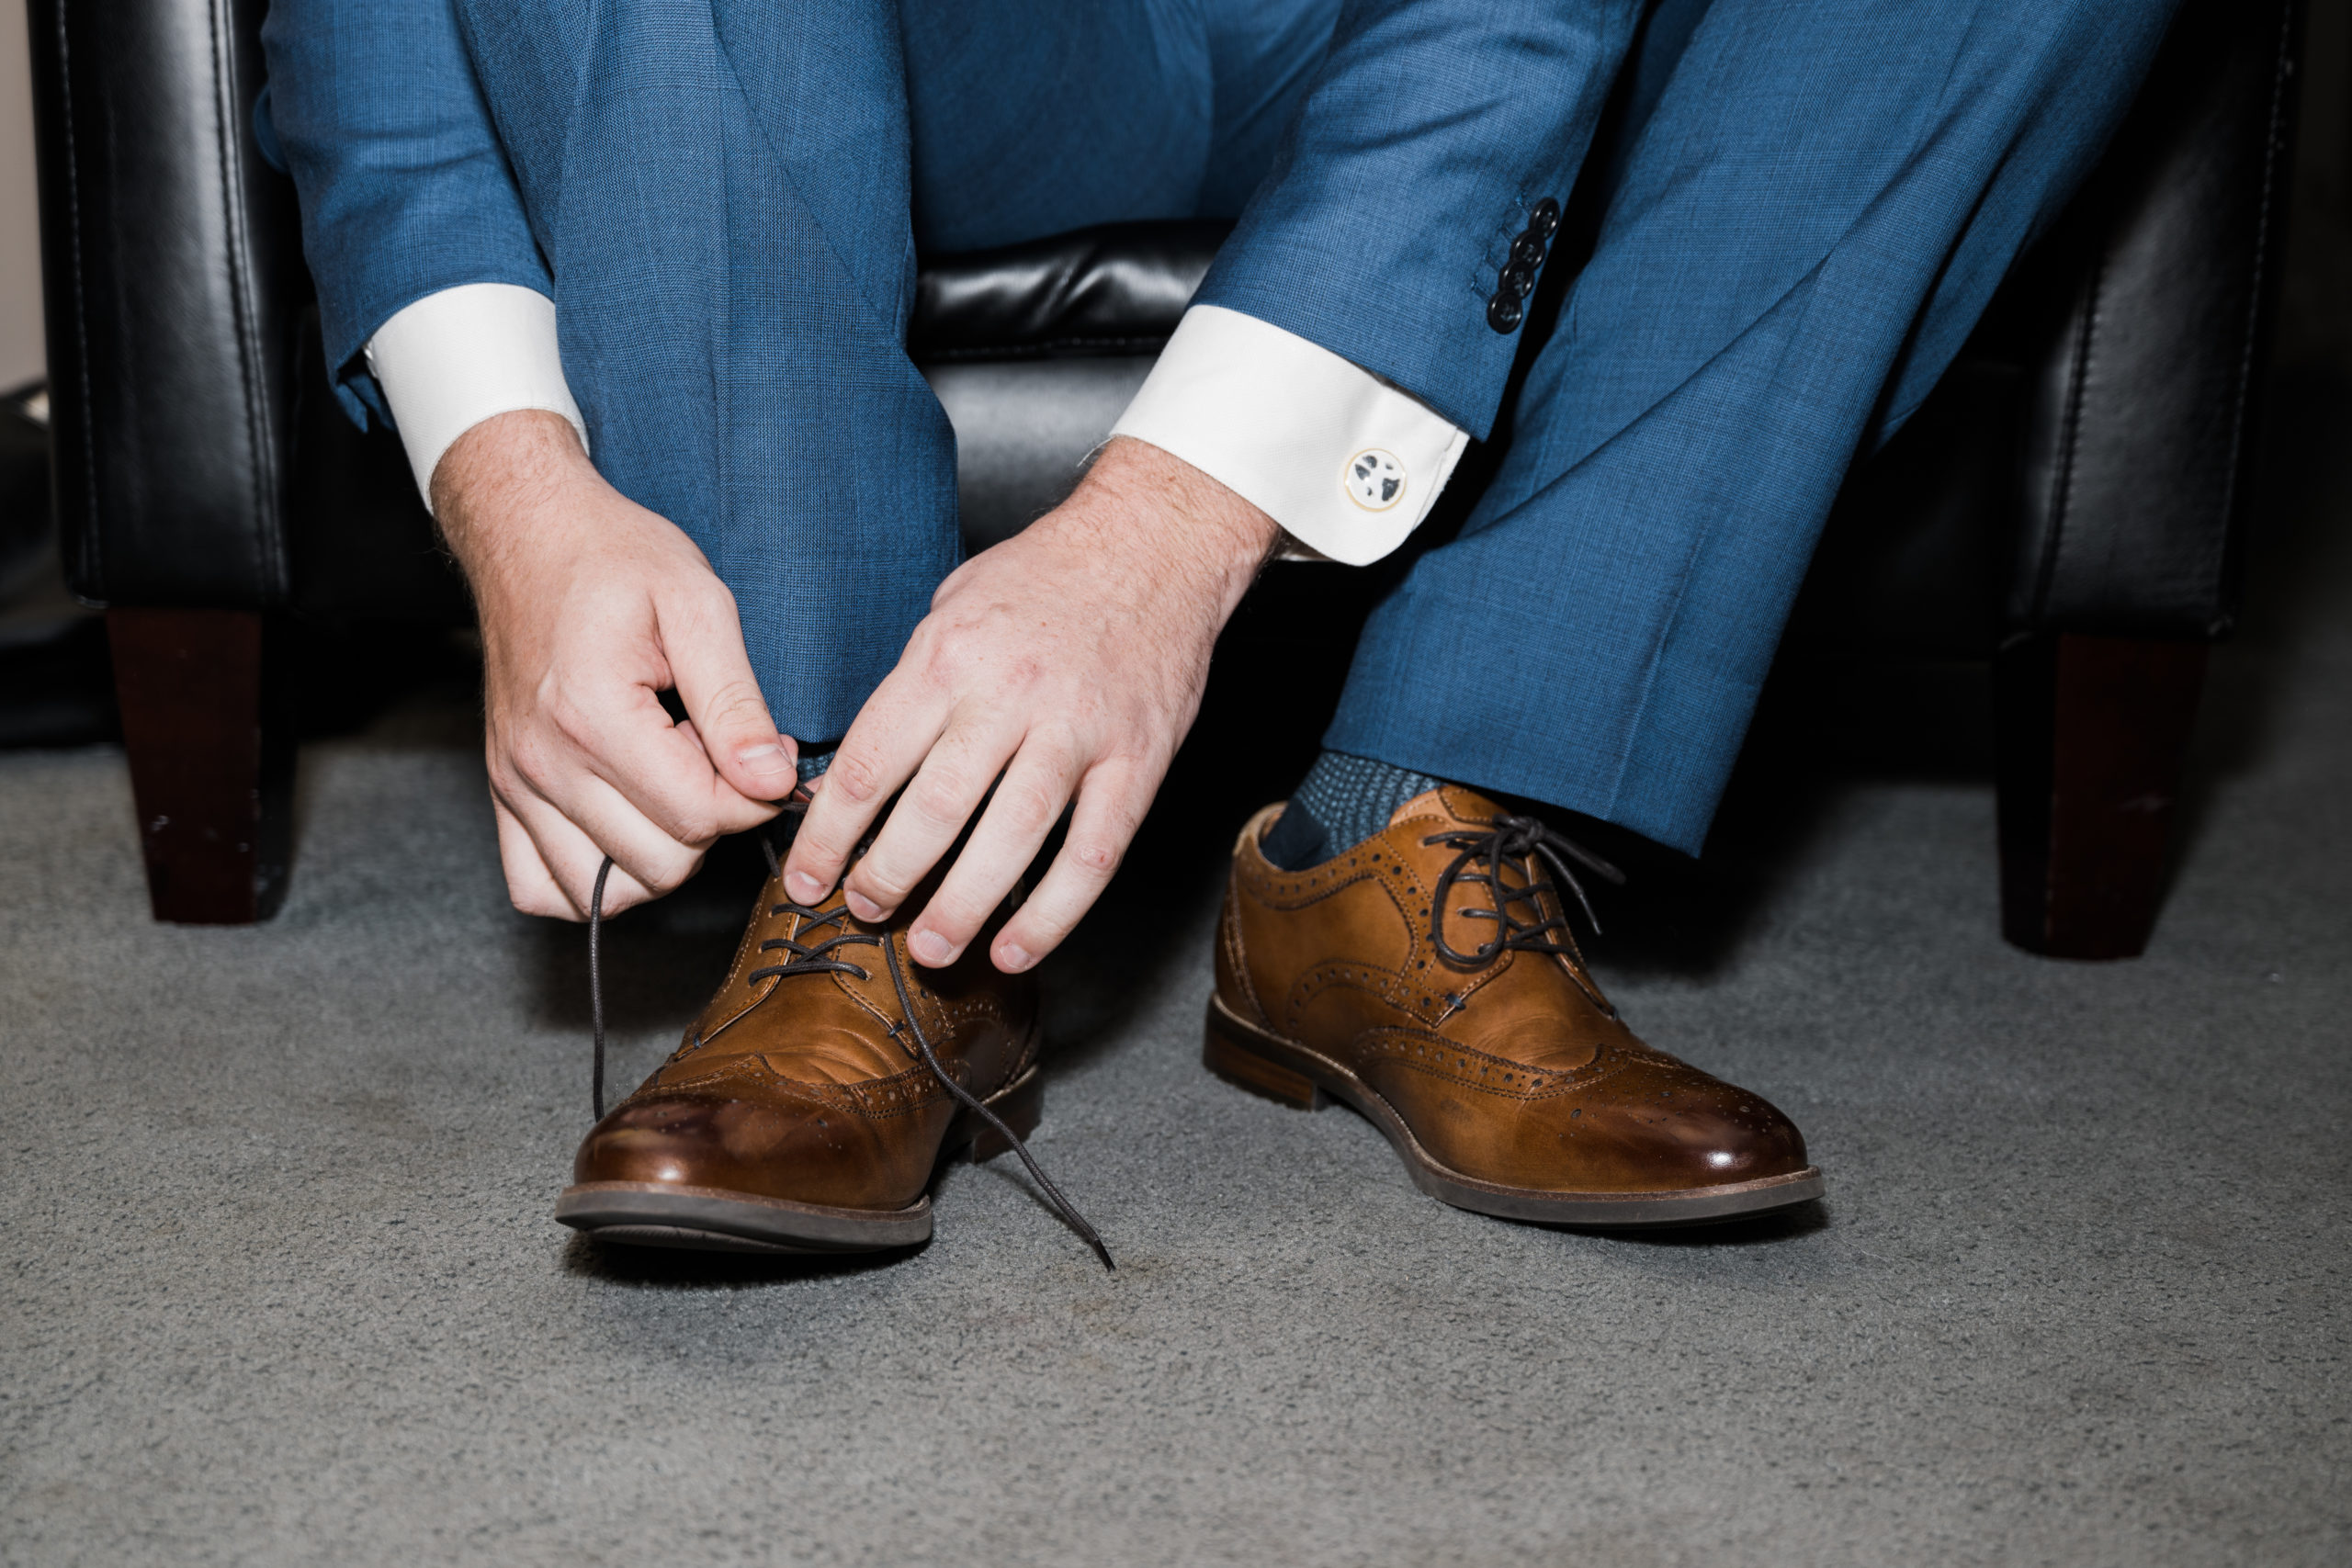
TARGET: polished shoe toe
(1689,1131)
(782,1146)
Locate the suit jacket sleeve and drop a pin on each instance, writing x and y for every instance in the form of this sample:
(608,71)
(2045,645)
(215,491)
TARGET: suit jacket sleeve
(1431,132)
(372,106)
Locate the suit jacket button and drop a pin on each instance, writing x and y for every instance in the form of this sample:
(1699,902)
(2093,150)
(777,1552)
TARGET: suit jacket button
(1504,312)
(1527,251)
(1544,220)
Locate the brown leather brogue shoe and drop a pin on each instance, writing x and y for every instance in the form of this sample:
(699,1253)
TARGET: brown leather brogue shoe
(1428,979)
(809,1104)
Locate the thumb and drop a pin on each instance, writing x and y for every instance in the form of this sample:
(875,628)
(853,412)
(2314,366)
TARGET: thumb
(713,675)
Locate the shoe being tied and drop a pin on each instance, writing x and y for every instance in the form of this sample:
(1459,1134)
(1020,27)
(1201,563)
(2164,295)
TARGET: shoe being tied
(812,1101)
(1427,977)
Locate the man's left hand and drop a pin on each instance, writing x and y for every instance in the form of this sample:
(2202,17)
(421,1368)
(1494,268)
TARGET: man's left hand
(1068,659)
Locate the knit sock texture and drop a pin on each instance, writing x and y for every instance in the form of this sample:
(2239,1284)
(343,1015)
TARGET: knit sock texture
(1342,801)
(814,762)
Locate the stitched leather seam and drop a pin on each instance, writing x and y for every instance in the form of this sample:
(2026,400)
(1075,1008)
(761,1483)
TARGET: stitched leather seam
(1024,1059)
(88,543)
(735,972)
(750,944)
(1322,976)
(1437,1058)
(1236,959)
(841,982)
(892,1096)
(871,1103)
(1296,890)
(2062,479)
(743,1012)
(1413,892)
(1487,977)
(1383,986)
(743,952)
(2281,73)
(262,542)
(1302,889)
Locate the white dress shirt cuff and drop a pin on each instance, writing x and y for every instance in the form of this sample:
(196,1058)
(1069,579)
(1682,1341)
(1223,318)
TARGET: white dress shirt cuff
(1348,464)
(453,359)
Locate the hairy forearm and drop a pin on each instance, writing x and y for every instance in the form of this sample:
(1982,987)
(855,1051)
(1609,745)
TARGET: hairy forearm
(498,477)
(1156,514)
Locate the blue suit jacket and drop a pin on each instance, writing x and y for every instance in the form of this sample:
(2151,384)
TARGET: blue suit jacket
(718,200)
(1434,127)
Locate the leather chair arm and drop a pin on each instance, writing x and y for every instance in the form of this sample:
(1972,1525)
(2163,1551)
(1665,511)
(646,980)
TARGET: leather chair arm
(166,253)
(2137,468)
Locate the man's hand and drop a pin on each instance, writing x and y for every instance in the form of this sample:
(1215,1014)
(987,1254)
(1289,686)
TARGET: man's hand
(590,607)
(1070,660)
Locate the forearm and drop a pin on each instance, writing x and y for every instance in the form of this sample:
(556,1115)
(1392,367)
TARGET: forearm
(1160,525)
(502,483)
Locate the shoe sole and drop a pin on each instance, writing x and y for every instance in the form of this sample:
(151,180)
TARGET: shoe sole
(1250,1058)
(712,1219)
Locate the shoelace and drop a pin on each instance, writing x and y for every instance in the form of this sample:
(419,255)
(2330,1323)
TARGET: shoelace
(1508,839)
(816,959)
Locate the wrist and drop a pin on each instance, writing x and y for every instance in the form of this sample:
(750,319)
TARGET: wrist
(1183,519)
(500,471)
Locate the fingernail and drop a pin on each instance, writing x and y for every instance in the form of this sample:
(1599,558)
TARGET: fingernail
(931,948)
(864,909)
(1012,959)
(804,888)
(765,762)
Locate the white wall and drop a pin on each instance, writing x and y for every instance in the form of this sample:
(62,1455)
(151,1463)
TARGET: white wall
(20,337)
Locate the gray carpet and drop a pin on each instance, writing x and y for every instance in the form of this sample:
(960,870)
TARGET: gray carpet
(282,1286)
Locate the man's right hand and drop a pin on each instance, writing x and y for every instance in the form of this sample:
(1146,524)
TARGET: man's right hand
(590,607)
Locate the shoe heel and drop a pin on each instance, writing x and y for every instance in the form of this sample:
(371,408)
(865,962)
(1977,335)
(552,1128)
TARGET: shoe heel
(1227,1052)
(1021,1110)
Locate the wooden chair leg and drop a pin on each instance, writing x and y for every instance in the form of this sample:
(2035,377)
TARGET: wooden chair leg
(211,760)
(2094,731)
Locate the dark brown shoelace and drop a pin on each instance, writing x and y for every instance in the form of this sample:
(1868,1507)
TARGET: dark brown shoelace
(818,958)
(1483,853)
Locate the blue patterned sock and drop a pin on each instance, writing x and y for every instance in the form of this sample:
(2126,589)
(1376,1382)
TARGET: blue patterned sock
(1342,801)
(814,762)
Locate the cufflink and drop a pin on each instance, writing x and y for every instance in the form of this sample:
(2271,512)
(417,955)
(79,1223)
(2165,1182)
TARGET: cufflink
(1374,479)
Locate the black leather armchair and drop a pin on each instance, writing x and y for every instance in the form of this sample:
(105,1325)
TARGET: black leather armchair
(2068,506)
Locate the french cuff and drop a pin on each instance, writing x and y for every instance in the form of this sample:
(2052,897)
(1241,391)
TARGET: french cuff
(454,358)
(1348,464)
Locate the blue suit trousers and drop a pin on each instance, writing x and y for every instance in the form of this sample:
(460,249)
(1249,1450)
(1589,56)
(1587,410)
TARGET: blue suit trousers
(1806,205)
(1808,208)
